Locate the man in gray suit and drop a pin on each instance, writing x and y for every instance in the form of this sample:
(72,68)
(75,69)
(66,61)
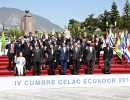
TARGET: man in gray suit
(76,58)
(90,57)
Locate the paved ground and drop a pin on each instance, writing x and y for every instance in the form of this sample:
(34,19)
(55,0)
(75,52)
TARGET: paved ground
(91,93)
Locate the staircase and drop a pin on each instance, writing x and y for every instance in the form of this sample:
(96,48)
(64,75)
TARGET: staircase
(117,67)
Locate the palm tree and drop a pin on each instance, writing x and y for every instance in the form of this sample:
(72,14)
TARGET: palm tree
(15,34)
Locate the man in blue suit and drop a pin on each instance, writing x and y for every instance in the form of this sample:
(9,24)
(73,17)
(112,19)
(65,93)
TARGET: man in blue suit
(63,57)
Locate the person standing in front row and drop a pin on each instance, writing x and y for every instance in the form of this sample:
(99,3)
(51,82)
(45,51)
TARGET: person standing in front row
(63,57)
(27,53)
(76,58)
(90,57)
(11,53)
(37,58)
(51,53)
(108,55)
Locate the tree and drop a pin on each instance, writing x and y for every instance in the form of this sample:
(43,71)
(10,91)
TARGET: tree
(15,34)
(103,18)
(115,17)
(126,15)
(74,26)
(91,23)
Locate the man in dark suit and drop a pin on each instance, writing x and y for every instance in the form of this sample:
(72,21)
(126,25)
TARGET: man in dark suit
(108,55)
(63,57)
(51,52)
(76,58)
(83,47)
(90,56)
(11,53)
(98,44)
(79,36)
(37,58)
(18,47)
(30,37)
(27,53)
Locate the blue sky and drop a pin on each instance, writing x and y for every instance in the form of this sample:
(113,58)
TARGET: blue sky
(60,11)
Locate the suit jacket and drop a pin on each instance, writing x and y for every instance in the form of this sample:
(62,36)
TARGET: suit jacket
(63,55)
(18,48)
(31,38)
(38,56)
(76,56)
(48,43)
(108,54)
(51,57)
(98,46)
(83,47)
(26,49)
(88,55)
(9,48)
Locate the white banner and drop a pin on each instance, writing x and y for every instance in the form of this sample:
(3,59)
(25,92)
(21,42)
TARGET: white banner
(31,82)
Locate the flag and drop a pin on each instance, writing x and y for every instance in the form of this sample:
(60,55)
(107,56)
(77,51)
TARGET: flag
(124,44)
(125,38)
(127,54)
(3,40)
(118,47)
(126,51)
(110,40)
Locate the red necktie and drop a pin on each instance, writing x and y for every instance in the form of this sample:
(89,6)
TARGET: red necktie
(12,48)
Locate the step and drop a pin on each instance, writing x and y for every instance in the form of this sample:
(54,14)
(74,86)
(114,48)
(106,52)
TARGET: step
(81,71)
(3,60)
(6,72)
(3,57)
(4,63)
(120,71)
(97,71)
(3,67)
(68,72)
(57,72)
(118,66)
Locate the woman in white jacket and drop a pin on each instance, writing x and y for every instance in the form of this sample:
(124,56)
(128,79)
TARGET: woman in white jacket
(20,63)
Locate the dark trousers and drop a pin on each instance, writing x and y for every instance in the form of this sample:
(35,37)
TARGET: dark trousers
(57,61)
(28,62)
(11,58)
(76,66)
(107,65)
(90,66)
(37,68)
(98,58)
(63,66)
(52,67)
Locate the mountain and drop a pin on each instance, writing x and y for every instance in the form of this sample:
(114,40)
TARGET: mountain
(11,17)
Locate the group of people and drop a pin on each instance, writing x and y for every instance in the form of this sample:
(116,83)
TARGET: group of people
(55,50)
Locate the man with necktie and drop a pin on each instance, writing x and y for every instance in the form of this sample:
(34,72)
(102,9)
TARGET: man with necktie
(11,53)
(27,48)
(90,57)
(37,58)
(51,52)
(63,57)
(107,56)
(76,58)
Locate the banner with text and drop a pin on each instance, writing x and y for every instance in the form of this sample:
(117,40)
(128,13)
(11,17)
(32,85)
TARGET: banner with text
(32,82)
